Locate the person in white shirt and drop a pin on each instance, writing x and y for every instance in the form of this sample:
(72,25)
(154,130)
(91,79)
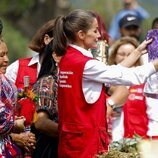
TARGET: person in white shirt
(12,69)
(38,44)
(81,82)
(32,66)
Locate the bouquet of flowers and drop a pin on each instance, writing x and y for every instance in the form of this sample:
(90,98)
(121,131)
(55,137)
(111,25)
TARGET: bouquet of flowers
(27,100)
(28,94)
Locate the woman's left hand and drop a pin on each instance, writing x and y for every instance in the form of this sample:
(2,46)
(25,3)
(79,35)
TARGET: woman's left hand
(30,141)
(143,45)
(26,140)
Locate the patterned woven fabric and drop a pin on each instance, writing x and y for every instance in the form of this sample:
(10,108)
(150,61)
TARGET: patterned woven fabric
(152,48)
(7,105)
(46,89)
(151,86)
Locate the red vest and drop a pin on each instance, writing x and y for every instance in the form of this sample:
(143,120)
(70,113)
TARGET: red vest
(135,116)
(82,126)
(25,70)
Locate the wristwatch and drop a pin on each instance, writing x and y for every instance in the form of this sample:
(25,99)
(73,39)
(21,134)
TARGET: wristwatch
(111,103)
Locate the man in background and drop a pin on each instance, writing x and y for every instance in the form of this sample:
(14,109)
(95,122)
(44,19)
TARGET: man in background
(129,7)
(130,25)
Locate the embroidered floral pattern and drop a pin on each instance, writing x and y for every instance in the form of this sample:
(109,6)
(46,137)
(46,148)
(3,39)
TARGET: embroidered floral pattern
(27,94)
(8,95)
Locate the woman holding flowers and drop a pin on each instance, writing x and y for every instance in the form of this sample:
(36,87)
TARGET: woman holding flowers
(31,67)
(8,121)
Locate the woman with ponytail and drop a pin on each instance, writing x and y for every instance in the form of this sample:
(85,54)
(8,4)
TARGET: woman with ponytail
(82,80)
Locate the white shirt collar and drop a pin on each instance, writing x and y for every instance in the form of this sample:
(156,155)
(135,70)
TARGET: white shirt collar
(82,50)
(34,60)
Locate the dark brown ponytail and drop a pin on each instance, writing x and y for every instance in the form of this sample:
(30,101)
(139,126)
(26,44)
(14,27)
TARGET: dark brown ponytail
(60,41)
(67,27)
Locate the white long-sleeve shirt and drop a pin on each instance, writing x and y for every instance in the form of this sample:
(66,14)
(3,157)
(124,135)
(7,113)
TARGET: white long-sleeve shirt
(12,69)
(96,72)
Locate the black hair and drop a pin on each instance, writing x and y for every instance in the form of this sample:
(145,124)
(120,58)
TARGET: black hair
(37,43)
(48,65)
(155,21)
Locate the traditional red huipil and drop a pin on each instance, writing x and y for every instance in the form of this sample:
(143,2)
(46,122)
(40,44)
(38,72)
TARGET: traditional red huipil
(135,116)
(27,108)
(82,126)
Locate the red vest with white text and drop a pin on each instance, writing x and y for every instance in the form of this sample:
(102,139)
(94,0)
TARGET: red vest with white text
(82,126)
(135,116)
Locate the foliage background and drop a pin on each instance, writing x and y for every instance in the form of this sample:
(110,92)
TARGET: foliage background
(21,18)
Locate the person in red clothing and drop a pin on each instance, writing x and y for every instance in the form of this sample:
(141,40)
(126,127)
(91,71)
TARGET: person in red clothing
(81,91)
(133,120)
(118,94)
(10,124)
(135,116)
(31,66)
